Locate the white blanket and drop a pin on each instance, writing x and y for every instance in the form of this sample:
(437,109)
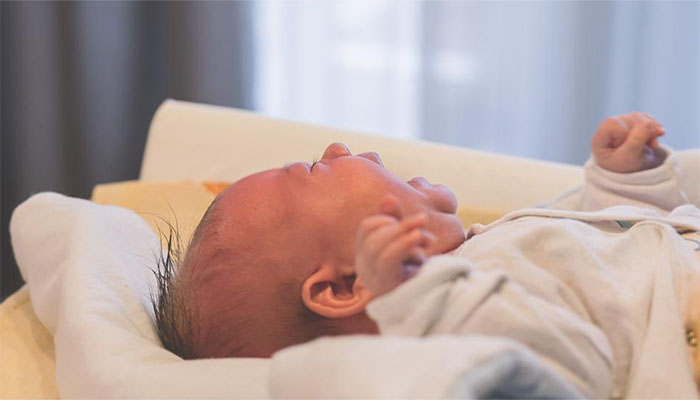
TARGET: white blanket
(88,268)
(362,367)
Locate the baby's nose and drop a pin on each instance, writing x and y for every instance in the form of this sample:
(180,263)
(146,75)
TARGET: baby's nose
(336,150)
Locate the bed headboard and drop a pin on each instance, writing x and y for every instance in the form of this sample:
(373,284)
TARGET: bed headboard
(204,142)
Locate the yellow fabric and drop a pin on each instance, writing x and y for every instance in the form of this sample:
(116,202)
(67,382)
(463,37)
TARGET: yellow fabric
(693,307)
(470,216)
(180,204)
(27,369)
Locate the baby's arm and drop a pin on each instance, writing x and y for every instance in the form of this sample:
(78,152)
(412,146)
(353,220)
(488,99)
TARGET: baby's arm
(390,248)
(630,167)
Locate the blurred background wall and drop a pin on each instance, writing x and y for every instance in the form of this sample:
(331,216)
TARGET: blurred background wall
(80,80)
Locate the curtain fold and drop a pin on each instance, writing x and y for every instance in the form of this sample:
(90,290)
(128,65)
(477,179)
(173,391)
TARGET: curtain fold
(527,78)
(80,82)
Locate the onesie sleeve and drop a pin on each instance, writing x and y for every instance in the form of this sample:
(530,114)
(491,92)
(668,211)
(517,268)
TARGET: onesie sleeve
(659,188)
(448,298)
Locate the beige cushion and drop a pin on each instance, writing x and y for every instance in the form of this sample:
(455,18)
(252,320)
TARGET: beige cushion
(200,142)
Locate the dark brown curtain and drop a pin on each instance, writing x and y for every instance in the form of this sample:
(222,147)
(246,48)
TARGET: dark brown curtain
(80,82)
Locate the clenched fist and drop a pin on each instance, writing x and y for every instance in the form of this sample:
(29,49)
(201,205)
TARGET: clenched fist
(628,143)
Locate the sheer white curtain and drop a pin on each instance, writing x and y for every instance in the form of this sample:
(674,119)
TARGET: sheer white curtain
(525,78)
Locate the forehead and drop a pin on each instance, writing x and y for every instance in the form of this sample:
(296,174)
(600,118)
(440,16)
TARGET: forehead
(261,213)
(270,204)
(255,194)
(251,185)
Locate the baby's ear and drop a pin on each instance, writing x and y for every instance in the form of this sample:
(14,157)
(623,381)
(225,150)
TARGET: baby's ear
(334,292)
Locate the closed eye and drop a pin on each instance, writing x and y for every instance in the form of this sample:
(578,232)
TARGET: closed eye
(314,162)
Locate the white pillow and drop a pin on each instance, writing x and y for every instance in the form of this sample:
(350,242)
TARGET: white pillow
(88,268)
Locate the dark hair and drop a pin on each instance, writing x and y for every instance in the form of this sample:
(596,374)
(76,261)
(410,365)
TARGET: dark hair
(173,316)
(176,318)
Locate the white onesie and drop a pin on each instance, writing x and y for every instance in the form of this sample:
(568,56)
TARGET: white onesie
(602,296)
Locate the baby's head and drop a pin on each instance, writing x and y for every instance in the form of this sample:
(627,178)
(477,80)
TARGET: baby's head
(271,264)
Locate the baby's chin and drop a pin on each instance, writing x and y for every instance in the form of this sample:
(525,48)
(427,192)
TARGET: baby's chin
(450,232)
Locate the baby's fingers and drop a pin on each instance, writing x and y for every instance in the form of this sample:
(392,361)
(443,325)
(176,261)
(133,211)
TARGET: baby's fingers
(370,224)
(643,134)
(376,240)
(407,249)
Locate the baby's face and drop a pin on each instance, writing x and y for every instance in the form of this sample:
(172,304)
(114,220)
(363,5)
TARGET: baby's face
(315,210)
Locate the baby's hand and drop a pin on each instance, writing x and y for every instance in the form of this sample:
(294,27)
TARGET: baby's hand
(390,248)
(628,143)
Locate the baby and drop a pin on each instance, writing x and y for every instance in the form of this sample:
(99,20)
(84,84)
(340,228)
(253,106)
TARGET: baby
(343,246)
